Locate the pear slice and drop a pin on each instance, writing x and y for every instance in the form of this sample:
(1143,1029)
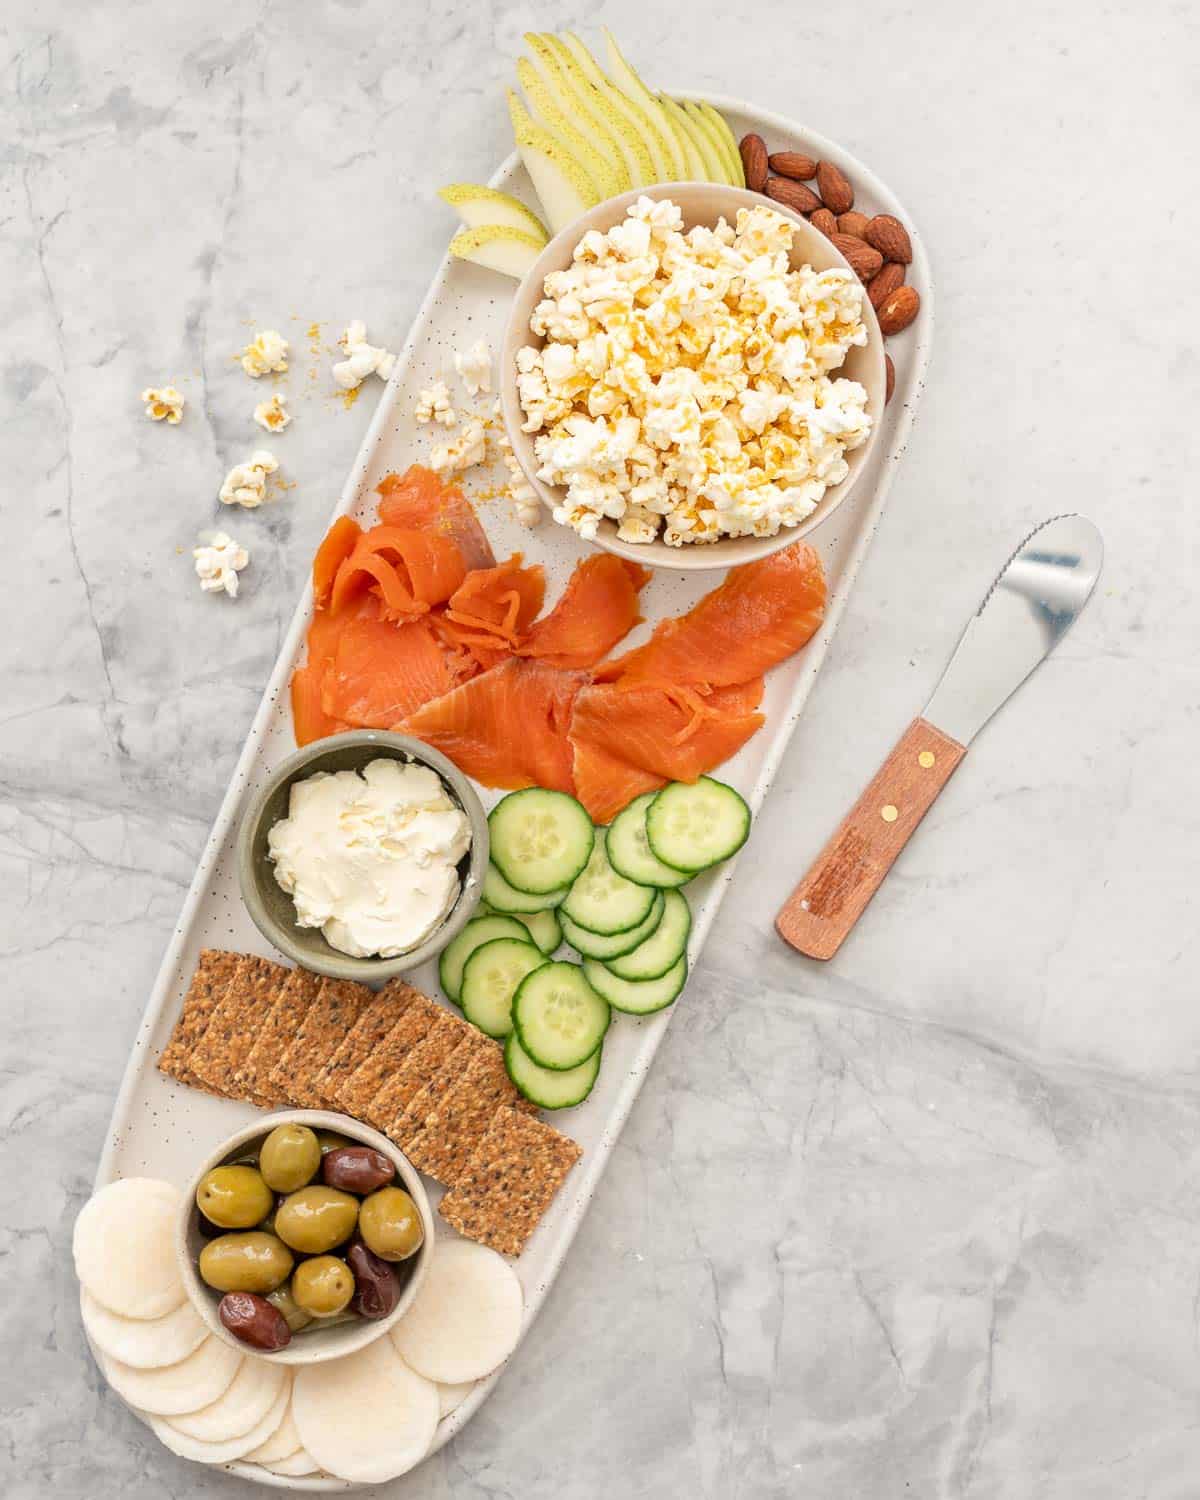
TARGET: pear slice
(603,112)
(609,182)
(638,120)
(721,125)
(499,247)
(701,167)
(708,140)
(477,205)
(563,184)
(553,81)
(633,88)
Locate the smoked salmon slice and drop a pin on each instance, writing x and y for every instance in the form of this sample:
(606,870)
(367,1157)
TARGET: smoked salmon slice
(508,727)
(381,672)
(493,609)
(417,499)
(599,608)
(309,720)
(410,571)
(339,543)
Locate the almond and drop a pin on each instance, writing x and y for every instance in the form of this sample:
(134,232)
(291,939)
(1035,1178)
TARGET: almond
(885,283)
(823,220)
(890,238)
(856,224)
(889,374)
(792,164)
(754,161)
(793,195)
(834,188)
(898,309)
(864,259)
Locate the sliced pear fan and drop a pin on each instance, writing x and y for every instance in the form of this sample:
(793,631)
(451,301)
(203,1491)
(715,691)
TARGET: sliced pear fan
(661,160)
(574,95)
(608,178)
(634,89)
(563,185)
(498,248)
(478,206)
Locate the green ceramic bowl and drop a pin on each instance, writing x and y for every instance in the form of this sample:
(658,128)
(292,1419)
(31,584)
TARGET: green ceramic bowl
(271,907)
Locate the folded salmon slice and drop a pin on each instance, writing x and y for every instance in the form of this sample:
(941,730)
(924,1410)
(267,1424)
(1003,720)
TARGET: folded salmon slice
(411,571)
(491,612)
(339,542)
(508,727)
(381,672)
(419,500)
(759,616)
(599,608)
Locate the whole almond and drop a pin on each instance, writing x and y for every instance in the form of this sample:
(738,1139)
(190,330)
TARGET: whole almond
(823,220)
(834,188)
(889,372)
(754,161)
(793,195)
(885,283)
(794,165)
(854,223)
(864,259)
(898,309)
(890,238)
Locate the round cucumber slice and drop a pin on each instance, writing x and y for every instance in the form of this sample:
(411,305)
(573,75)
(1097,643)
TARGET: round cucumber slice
(603,901)
(558,1017)
(544,928)
(478,931)
(691,827)
(504,898)
(550,1089)
(662,949)
(637,997)
(629,851)
(491,977)
(594,945)
(540,840)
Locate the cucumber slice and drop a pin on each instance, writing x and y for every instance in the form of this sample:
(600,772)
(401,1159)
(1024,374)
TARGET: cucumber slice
(662,949)
(603,901)
(540,840)
(558,1017)
(693,827)
(544,928)
(506,899)
(490,979)
(637,997)
(546,1088)
(630,854)
(593,945)
(478,931)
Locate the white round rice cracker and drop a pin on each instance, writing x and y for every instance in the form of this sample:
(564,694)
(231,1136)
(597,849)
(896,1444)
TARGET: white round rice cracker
(125,1249)
(173,1390)
(466,1318)
(451,1397)
(250,1395)
(220,1453)
(282,1443)
(294,1466)
(365,1418)
(145,1343)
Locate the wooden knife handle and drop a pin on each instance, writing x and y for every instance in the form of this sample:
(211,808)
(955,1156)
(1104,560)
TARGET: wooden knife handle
(849,870)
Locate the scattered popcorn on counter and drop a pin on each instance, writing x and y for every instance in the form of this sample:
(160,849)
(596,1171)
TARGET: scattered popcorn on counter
(163,404)
(266,354)
(273,414)
(475,368)
(362,359)
(218,562)
(433,405)
(246,484)
(522,494)
(464,451)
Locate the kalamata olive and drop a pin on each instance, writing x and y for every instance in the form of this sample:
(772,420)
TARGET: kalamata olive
(316,1219)
(390,1224)
(290,1158)
(356,1169)
(323,1285)
(376,1284)
(253,1262)
(295,1316)
(253,1320)
(234,1197)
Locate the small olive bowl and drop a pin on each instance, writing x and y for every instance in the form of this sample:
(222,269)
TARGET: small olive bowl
(270,906)
(313,1344)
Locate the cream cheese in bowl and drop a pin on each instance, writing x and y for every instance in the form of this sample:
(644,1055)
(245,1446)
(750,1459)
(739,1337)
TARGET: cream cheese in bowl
(371,858)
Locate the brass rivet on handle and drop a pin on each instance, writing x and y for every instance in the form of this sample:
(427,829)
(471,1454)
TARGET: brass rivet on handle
(888,813)
(926,759)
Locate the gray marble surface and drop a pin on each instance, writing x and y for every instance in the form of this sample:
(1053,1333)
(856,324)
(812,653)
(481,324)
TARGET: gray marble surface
(925,1221)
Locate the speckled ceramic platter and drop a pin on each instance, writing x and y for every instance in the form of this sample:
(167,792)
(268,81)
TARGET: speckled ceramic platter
(161,1129)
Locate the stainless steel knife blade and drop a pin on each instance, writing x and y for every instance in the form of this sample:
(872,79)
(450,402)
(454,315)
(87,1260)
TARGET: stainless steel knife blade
(1036,598)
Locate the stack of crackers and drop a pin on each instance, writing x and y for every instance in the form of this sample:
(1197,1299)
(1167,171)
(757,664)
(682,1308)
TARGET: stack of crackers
(251,1029)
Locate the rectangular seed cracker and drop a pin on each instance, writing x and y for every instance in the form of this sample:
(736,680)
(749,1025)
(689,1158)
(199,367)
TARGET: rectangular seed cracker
(364,1037)
(410,1122)
(422,1063)
(510,1181)
(214,969)
(275,1037)
(355,1093)
(447,1134)
(337,1006)
(239,1016)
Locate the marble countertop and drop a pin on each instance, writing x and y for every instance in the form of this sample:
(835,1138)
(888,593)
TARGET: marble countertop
(924,1221)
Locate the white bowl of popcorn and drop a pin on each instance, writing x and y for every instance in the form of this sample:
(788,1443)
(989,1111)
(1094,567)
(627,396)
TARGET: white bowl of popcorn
(692,376)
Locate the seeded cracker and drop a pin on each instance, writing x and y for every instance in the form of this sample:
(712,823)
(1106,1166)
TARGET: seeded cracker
(449,1132)
(426,1058)
(275,1037)
(214,970)
(325,1026)
(510,1181)
(239,1016)
(410,1123)
(354,1094)
(365,1036)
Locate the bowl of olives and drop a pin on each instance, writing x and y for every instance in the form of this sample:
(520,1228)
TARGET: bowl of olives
(304,1237)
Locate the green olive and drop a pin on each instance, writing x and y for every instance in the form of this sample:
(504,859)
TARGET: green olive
(390,1224)
(295,1316)
(234,1197)
(330,1140)
(245,1263)
(316,1219)
(290,1158)
(323,1286)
